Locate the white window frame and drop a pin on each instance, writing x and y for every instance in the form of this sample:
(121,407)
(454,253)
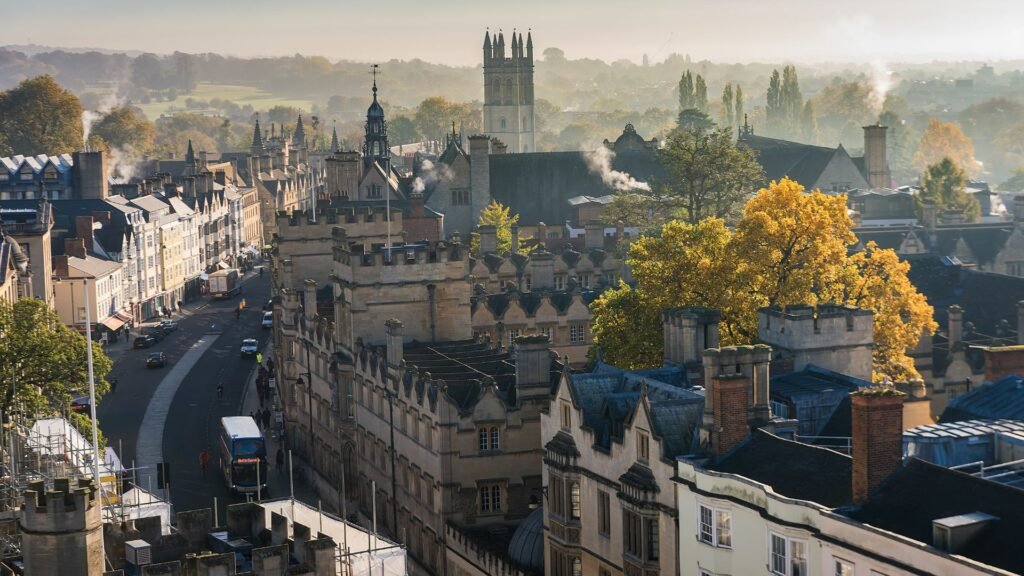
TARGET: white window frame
(710,529)
(788,557)
(844,567)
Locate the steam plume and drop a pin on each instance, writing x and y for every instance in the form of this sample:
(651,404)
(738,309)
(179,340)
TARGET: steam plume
(600,162)
(429,174)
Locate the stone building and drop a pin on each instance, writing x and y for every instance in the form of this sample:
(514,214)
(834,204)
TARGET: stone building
(77,176)
(77,272)
(15,277)
(508,91)
(61,529)
(383,384)
(31,230)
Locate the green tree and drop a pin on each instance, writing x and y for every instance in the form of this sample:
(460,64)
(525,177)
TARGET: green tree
(740,118)
(809,123)
(692,119)
(123,128)
(39,117)
(726,115)
(774,115)
(843,108)
(435,115)
(792,100)
(42,361)
(944,184)
(500,216)
(402,130)
(685,88)
(1015,183)
(945,140)
(788,248)
(700,94)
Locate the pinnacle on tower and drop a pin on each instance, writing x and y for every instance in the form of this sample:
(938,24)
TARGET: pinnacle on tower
(334,140)
(190,155)
(299,136)
(529,45)
(257,137)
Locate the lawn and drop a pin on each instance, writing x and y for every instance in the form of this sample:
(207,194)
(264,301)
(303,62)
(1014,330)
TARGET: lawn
(241,95)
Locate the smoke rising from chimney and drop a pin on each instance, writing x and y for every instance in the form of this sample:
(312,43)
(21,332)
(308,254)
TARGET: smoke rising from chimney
(600,162)
(429,175)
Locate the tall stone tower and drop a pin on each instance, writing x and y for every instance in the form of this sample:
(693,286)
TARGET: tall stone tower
(508,91)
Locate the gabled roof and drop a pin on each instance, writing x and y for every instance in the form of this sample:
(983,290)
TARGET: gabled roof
(792,469)
(93,266)
(804,163)
(910,500)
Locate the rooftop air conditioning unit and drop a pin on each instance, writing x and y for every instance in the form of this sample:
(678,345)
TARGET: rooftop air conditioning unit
(953,533)
(138,553)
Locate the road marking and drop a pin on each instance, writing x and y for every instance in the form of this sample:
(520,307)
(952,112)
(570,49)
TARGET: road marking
(149,448)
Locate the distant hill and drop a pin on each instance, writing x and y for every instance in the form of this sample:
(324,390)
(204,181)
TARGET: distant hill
(33,49)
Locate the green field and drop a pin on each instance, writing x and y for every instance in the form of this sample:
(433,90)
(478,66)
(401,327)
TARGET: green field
(241,95)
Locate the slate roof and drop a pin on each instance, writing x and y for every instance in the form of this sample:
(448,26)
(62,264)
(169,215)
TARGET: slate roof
(792,469)
(464,365)
(609,397)
(1002,399)
(804,163)
(813,380)
(920,492)
(538,185)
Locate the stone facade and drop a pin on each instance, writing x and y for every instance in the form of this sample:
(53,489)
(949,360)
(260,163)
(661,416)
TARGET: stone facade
(839,338)
(508,91)
(62,532)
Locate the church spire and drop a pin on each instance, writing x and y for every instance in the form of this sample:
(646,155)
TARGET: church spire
(299,136)
(190,155)
(257,138)
(334,139)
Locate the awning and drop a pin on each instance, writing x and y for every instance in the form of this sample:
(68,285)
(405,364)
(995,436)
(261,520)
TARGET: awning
(113,323)
(223,265)
(124,316)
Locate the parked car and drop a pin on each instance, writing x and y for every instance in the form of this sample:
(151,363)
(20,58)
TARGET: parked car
(156,360)
(268,319)
(155,330)
(143,341)
(169,325)
(250,346)
(80,403)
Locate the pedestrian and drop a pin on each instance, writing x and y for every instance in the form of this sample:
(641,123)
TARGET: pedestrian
(204,459)
(280,460)
(220,390)
(259,358)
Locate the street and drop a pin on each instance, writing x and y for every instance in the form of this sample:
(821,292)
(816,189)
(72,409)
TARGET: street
(170,414)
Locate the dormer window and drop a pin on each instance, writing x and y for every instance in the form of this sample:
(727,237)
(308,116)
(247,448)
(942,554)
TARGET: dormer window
(566,422)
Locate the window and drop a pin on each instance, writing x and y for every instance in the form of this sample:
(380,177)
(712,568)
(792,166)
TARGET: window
(502,123)
(604,514)
(490,498)
(715,527)
(566,416)
(489,438)
(1015,268)
(460,197)
(844,568)
(484,439)
(788,557)
(584,280)
(559,282)
(373,191)
(577,567)
(577,333)
(653,542)
(643,447)
(495,438)
(512,334)
(574,498)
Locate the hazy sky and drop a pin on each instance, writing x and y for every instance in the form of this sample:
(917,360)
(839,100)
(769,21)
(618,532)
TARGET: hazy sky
(450,31)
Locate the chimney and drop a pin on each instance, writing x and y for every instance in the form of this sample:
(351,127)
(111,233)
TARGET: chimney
(877,442)
(488,239)
(736,395)
(170,190)
(309,304)
(479,172)
(89,173)
(687,332)
(955,325)
(101,216)
(515,238)
(220,177)
(393,337)
(593,236)
(1020,322)
(188,188)
(60,266)
(542,270)
(542,232)
(620,230)
(929,214)
(875,162)
(202,160)
(533,365)
(416,205)
(74,247)
(83,229)
(208,178)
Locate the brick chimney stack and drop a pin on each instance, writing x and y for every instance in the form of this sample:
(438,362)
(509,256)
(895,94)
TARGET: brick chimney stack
(736,396)
(83,229)
(60,266)
(877,416)
(875,162)
(74,247)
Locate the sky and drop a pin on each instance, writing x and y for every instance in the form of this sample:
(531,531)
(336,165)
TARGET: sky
(451,31)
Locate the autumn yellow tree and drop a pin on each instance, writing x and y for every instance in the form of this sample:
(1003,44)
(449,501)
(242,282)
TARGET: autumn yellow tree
(500,216)
(788,248)
(945,140)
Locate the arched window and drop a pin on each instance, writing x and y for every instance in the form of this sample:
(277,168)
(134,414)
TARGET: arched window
(502,123)
(510,93)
